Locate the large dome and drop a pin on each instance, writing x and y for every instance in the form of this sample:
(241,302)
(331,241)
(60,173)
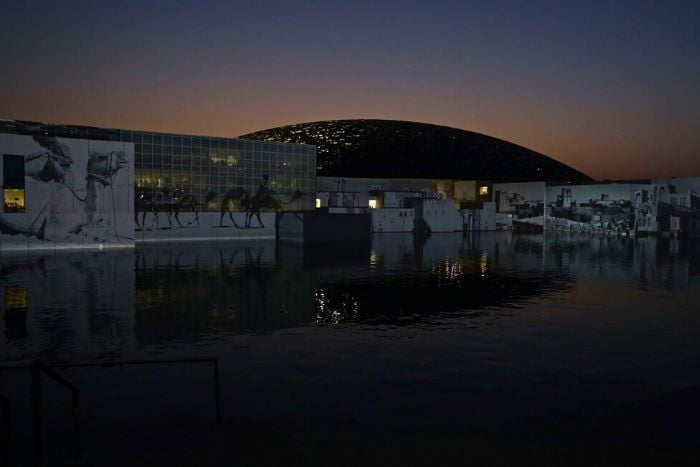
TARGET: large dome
(397,149)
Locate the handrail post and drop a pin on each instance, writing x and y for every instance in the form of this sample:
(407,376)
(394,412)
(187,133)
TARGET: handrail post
(36,413)
(76,425)
(216,390)
(38,366)
(6,425)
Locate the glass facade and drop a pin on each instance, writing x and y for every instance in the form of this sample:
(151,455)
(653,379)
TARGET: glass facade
(200,173)
(192,169)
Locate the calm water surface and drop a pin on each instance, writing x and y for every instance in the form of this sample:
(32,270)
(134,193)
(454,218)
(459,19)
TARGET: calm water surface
(487,336)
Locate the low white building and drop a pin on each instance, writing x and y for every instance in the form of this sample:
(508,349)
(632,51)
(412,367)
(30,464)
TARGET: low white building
(407,205)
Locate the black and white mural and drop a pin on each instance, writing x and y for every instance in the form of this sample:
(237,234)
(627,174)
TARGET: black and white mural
(168,213)
(518,202)
(654,207)
(62,193)
(599,208)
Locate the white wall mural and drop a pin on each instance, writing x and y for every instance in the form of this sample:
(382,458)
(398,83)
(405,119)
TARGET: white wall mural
(516,201)
(662,206)
(73,193)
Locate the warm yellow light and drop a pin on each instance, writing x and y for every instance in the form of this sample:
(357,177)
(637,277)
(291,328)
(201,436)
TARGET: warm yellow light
(373,203)
(15,298)
(318,202)
(13,200)
(483,190)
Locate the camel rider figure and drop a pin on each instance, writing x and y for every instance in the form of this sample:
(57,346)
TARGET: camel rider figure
(263,193)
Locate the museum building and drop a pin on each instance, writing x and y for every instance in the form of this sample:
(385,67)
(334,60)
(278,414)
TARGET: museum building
(72,186)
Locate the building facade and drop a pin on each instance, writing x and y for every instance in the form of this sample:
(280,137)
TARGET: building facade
(182,186)
(411,204)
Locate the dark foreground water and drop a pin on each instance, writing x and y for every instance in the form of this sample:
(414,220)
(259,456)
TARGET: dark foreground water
(492,349)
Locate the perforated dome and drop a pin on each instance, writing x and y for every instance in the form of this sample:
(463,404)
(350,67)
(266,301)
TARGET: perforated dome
(398,149)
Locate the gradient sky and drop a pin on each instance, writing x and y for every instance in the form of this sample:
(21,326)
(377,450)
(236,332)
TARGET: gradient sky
(611,88)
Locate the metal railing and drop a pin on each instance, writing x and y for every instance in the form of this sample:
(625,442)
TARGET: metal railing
(214,361)
(37,368)
(5,418)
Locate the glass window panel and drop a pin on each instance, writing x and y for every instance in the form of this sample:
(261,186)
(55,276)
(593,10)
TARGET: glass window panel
(13,200)
(13,171)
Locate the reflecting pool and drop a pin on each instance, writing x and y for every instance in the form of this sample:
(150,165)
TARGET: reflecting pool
(485,340)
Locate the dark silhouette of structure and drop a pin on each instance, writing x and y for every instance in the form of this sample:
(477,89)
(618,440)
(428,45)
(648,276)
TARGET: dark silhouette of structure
(398,149)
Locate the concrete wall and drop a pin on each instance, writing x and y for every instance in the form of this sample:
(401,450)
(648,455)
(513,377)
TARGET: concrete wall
(342,199)
(483,219)
(318,227)
(78,194)
(291,228)
(392,220)
(441,215)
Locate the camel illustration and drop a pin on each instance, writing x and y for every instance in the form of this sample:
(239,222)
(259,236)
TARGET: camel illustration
(148,201)
(234,200)
(51,170)
(267,201)
(187,203)
(228,203)
(263,199)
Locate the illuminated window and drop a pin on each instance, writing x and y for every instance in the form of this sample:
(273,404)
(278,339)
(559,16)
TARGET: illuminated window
(13,183)
(13,200)
(483,190)
(318,202)
(373,203)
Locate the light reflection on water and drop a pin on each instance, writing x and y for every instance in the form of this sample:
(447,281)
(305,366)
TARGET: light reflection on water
(107,305)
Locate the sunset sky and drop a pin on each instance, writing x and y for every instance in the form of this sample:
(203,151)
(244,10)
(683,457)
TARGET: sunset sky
(611,88)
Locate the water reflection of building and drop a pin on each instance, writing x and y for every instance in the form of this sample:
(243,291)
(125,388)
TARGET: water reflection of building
(667,262)
(185,292)
(86,306)
(66,304)
(424,280)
